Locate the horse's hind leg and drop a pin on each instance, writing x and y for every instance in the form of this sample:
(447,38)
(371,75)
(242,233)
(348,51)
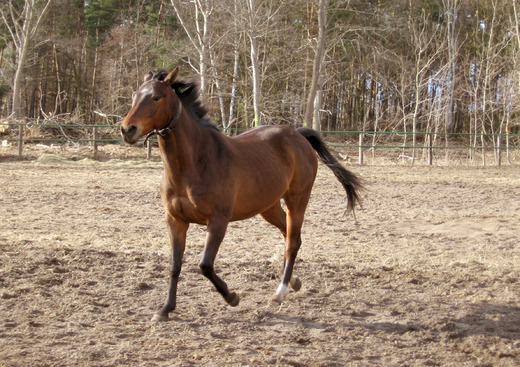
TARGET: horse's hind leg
(216,232)
(277,217)
(295,212)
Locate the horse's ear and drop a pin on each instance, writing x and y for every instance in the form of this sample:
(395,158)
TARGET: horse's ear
(170,79)
(147,77)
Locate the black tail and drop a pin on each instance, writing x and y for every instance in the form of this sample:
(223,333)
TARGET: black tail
(350,181)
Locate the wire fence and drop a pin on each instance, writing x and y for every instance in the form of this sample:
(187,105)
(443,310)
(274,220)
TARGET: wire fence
(424,146)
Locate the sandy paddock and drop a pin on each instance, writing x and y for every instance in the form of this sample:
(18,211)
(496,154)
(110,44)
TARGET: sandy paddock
(429,275)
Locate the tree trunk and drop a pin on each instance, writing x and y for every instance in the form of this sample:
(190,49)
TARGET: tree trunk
(316,68)
(254,63)
(17,83)
(204,47)
(232,101)
(220,93)
(451,9)
(23,49)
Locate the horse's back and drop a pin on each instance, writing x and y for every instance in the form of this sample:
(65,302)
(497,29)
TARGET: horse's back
(271,161)
(275,144)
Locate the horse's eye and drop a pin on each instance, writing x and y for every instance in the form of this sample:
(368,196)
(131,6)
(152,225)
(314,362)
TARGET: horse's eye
(156,98)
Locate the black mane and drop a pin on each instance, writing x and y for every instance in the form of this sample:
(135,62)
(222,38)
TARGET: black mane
(189,94)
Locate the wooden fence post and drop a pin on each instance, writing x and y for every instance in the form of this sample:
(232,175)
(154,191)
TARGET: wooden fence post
(148,149)
(499,151)
(361,140)
(20,141)
(95,138)
(430,138)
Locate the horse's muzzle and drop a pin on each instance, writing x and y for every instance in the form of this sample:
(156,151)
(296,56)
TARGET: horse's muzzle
(129,134)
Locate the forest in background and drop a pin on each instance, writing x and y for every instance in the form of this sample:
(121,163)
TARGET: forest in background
(415,66)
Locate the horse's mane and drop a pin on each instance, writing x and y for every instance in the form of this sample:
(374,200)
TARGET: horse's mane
(189,94)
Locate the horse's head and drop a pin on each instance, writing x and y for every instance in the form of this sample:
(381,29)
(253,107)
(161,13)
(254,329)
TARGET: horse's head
(151,107)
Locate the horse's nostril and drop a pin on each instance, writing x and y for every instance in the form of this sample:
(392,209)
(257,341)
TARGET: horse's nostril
(130,130)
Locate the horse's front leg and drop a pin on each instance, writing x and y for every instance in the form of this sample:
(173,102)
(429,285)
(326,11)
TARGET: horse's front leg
(216,231)
(177,231)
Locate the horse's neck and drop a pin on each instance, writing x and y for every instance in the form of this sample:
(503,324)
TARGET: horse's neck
(183,149)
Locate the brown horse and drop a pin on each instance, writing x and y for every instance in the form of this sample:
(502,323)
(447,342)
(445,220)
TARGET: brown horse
(212,179)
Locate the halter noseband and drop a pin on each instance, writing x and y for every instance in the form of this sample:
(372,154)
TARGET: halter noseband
(168,129)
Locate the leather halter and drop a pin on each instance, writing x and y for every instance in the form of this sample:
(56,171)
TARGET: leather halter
(168,129)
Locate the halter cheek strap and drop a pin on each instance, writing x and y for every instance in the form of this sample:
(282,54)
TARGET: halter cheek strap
(168,129)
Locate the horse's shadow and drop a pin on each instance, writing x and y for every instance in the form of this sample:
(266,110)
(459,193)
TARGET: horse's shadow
(485,319)
(489,320)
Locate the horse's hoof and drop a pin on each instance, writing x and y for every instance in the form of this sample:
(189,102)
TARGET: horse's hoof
(295,283)
(160,318)
(233,300)
(282,291)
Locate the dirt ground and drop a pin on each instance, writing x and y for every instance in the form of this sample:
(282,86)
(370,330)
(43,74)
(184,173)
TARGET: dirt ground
(429,275)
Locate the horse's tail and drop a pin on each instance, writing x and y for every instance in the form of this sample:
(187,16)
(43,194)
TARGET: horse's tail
(350,181)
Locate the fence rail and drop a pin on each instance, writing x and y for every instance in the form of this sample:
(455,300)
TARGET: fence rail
(494,140)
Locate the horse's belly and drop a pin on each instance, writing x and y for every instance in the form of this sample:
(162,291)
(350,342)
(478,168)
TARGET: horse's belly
(259,197)
(183,209)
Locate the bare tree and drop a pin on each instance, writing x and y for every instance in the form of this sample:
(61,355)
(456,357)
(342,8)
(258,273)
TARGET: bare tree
(426,54)
(486,71)
(513,106)
(200,38)
(234,82)
(314,97)
(254,19)
(22,27)
(451,8)
(252,33)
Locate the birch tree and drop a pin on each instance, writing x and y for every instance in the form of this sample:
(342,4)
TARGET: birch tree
(254,19)
(234,82)
(314,97)
(252,33)
(513,106)
(198,35)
